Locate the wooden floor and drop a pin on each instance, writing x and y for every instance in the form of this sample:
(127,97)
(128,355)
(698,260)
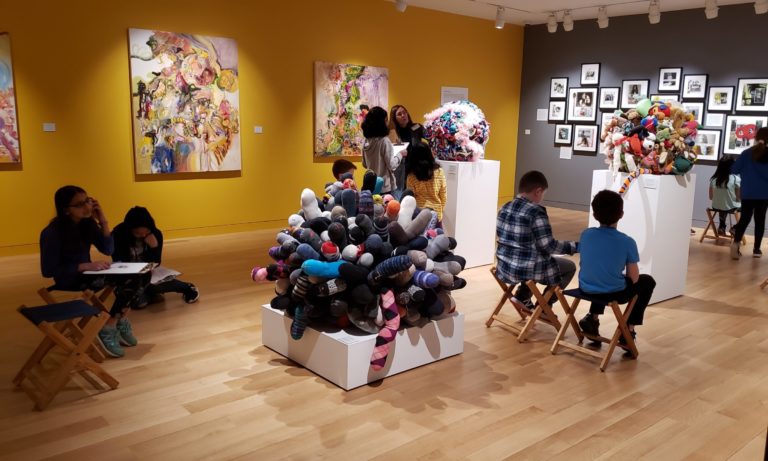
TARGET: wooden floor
(200,385)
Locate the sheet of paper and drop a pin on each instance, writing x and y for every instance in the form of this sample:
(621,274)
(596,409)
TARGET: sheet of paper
(713,120)
(400,147)
(453,93)
(566,153)
(542,115)
(163,274)
(122,268)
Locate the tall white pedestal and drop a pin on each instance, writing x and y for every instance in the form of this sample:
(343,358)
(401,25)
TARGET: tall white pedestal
(657,214)
(470,212)
(344,359)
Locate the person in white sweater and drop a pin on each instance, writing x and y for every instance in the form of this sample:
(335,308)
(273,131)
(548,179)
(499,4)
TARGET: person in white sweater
(378,153)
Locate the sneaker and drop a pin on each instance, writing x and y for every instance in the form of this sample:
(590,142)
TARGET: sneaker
(590,326)
(735,250)
(126,332)
(108,338)
(192,295)
(523,306)
(721,232)
(757,253)
(623,344)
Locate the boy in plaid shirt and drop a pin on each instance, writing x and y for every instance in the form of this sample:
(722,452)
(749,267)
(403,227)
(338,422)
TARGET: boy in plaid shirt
(525,245)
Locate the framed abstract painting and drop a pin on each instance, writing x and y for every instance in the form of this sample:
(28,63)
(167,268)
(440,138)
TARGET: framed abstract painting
(10,150)
(185,102)
(343,95)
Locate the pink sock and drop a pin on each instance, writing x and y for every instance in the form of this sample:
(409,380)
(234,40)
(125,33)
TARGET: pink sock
(387,333)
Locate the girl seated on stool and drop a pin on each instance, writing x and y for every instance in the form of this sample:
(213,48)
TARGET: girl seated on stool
(725,191)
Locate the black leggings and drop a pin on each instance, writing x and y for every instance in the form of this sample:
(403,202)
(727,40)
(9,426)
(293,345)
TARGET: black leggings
(748,208)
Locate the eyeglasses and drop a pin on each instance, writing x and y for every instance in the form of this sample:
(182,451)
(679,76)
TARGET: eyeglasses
(88,201)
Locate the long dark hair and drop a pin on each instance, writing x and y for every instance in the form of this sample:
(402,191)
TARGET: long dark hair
(759,153)
(139,216)
(723,171)
(70,232)
(403,132)
(375,123)
(420,162)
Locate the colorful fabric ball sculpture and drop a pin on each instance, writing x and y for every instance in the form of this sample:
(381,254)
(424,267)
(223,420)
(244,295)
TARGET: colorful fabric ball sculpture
(457,131)
(356,258)
(653,138)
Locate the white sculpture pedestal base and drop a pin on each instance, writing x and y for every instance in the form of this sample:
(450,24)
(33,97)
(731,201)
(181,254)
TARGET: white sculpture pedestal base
(344,359)
(657,214)
(471,208)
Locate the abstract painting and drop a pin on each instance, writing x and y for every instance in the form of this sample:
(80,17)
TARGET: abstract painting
(185,102)
(343,95)
(9,126)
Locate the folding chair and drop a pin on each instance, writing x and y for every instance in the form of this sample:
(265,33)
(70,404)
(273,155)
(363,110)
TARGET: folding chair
(621,329)
(97,300)
(710,232)
(542,312)
(75,346)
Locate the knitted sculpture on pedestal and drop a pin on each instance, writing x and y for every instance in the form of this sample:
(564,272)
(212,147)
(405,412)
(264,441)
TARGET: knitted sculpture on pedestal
(457,130)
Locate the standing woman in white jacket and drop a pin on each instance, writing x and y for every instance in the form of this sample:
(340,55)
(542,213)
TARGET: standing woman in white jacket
(378,153)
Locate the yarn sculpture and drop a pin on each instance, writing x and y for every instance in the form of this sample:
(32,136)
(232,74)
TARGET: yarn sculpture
(457,131)
(653,138)
(357,258)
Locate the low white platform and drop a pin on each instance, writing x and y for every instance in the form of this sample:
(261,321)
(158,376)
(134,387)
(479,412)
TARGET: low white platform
(470,211)
(657,214)
(344,359)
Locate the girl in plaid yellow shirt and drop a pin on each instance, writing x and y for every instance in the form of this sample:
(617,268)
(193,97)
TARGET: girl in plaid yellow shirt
(425,178)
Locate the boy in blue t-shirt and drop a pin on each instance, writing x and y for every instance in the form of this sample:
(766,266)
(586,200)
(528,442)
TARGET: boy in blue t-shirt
(608,267)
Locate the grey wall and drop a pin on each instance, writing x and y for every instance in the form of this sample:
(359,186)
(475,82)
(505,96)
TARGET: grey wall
(727,48)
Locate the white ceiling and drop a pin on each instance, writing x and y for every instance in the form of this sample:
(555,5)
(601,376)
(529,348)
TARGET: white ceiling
(536,11)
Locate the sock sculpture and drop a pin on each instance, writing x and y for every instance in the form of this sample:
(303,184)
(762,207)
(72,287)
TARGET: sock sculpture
(337,262)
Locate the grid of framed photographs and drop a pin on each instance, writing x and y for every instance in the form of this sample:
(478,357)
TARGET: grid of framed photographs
(728,116)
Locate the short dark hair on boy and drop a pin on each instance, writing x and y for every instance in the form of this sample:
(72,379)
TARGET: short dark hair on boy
(607,207)
(341,166)
(531,181)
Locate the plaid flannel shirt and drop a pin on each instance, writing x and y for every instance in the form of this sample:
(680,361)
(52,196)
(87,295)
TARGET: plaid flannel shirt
(525,245)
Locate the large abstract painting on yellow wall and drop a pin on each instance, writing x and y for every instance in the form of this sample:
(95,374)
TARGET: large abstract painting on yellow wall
(343,94)
(9,126)
(185,102)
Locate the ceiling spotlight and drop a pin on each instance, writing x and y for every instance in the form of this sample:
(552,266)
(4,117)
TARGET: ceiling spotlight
(602,17)
(710,9)
(761,6)
(500,17)
(654,12)
(567,21)
(401,5)
(552,23)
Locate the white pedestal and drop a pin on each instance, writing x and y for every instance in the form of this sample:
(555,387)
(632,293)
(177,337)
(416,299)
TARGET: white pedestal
(657,214)
(470,211)
(344,359)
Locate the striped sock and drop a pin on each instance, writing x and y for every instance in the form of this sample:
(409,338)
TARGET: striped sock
(425,279)
(299,323)
(387,333)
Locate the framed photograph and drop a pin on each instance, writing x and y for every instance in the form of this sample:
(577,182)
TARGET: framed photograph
(563,134)
(609,98)
(714,120)
(696,109)
(720,99)
(585,138)
(590,74)
(582,106)
(632,92)
(751,95)
(664,97)
(557,111)
(695,86)
(558,88)
(669,78)
(709,143)
(740,131)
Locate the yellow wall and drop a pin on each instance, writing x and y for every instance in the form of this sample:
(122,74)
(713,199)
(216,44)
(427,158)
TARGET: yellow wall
(71,68)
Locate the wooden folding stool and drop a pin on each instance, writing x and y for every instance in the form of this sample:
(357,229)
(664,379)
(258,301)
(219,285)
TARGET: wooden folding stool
(764,284)
(712,228)
(97,300)
(542,312)
(75,346)
(622,330)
